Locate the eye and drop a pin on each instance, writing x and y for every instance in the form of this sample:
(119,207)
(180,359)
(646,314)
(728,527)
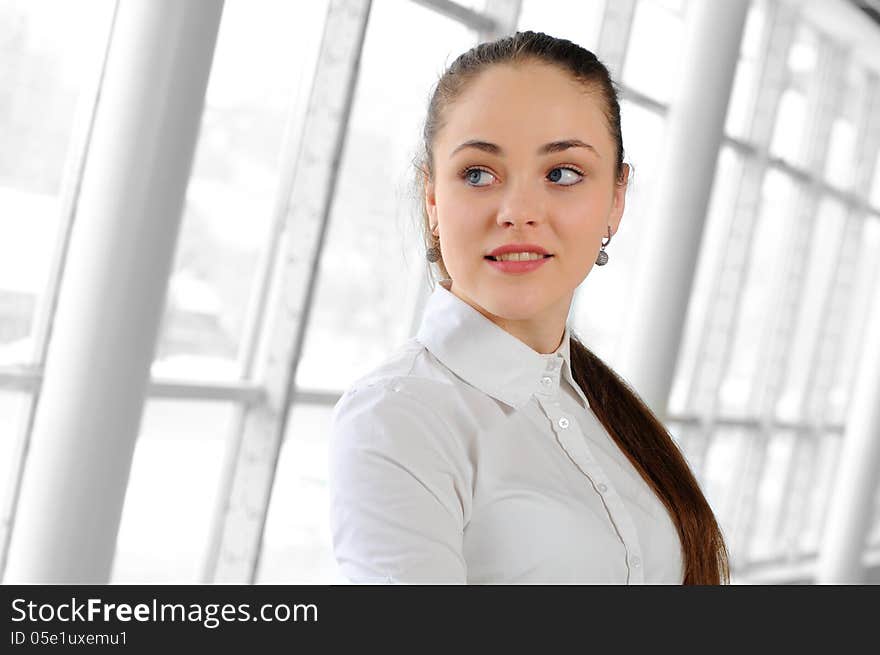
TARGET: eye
(553,176)
(472,175)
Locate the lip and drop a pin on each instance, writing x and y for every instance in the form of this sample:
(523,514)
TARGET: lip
(517,267)
(518,247)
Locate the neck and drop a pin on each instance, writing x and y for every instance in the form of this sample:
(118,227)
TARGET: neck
(543,333)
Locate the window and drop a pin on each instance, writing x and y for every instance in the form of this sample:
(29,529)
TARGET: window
(51,54)
(791,119)
(260,80)
(14,409)
(840,165)
(653,57)
(172,490)
(297,546)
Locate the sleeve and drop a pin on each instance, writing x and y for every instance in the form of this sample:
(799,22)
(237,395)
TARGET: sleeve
(399,495)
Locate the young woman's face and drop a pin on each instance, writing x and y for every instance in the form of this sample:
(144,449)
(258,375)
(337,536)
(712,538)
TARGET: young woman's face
(516,189)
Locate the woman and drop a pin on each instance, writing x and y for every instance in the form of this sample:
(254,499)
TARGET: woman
(494,447)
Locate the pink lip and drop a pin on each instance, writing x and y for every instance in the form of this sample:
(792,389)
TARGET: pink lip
(518,267)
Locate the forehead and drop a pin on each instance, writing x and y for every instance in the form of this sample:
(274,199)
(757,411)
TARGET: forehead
(528,104)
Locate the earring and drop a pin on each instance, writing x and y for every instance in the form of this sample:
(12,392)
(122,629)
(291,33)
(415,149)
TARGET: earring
(602,257)
(432,254)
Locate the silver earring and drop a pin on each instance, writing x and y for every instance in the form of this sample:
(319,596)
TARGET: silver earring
(432,254)
(602,257)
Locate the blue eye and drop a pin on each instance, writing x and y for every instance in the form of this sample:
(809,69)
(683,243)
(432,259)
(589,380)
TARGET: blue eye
(556,178)
(472,175)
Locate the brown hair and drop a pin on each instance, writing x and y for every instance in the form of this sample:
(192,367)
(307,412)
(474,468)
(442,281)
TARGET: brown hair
(633,426)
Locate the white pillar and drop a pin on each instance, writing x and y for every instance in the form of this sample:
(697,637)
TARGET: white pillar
(851,504)
(113,292)
(682,188)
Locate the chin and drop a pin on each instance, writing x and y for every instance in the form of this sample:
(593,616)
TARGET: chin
(514,305)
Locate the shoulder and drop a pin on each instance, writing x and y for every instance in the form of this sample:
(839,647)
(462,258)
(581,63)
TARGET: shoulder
(393,413)
(409,380)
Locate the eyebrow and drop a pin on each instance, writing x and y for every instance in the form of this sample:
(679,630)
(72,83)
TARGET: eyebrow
(546,149)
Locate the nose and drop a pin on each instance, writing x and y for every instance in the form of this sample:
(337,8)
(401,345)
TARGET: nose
(521,205)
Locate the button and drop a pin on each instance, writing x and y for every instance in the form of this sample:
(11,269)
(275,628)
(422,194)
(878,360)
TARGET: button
(602,487)
(636,562)
(563,422)
(546,381)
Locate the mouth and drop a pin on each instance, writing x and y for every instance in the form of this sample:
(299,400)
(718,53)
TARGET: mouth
(516,266)
(496,259)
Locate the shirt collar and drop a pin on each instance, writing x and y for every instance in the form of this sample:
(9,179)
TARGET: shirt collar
(484,354)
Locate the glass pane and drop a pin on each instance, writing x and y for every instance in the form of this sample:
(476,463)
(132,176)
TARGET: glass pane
(852,341)
(825,248)
(297,546)
(801,479)
(373,244)
(875,184)
(840,165)
(688,437)
(579,21)
(766,263)
(791,118)
(721,473)
(14,409)
(790,122)
(746,79)
(653,57)
(874,532)
(259,83)
(823,470)
(172,491)
(50,54)
(727,174)
(777,458)
(643,131)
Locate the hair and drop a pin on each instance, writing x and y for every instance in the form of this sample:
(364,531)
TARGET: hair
(634,427)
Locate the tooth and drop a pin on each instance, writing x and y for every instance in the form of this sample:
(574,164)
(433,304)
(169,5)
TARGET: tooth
(519,257)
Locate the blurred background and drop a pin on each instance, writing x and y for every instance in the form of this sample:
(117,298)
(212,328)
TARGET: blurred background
(167,371)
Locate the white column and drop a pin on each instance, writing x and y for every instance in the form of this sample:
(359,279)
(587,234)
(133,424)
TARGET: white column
(674,225)
(858,472)
(113,292)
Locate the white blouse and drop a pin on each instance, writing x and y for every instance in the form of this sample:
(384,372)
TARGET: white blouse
(467,457)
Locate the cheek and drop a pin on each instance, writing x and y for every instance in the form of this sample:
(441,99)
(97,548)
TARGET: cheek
(459,215)
(579,222)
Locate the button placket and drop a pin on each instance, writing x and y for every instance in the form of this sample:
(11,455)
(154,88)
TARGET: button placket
(575,445)
(548,385)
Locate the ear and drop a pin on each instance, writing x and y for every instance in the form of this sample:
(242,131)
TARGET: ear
(430,199)
(619,200)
